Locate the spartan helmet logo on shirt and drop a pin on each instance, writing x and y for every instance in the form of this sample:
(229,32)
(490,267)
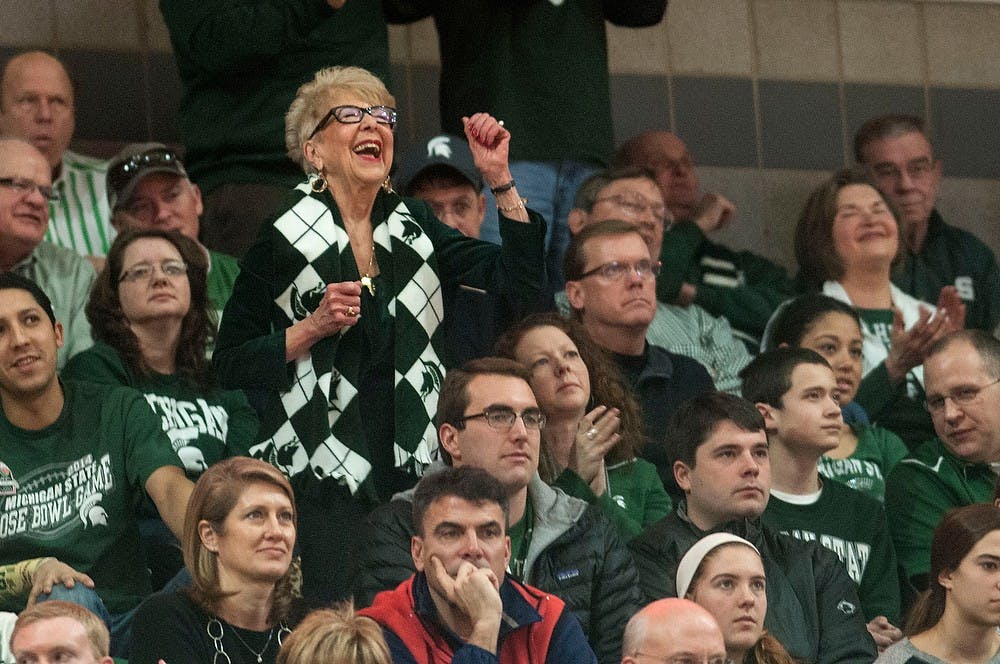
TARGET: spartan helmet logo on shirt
(91,512)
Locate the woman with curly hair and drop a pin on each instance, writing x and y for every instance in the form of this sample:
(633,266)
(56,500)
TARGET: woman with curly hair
(593,426)
(151,322)
(239,533)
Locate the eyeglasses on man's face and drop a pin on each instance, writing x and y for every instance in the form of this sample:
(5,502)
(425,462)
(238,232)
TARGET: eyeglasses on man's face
(350,114)
(960,396)
(618,270)
(502,418)
(918,169)
(144,271)
(24,187)
(633,204)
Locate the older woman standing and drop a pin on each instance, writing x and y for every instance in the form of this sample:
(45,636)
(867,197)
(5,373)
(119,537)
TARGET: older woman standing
(334,321)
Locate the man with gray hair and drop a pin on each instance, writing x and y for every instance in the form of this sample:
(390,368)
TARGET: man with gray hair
(37,105)
(25,194)
(673,630)
(896,151)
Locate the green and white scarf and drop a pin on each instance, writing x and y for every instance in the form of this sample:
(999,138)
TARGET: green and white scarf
(317,423)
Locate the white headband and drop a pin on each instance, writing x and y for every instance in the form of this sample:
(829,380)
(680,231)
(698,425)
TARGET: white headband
(692,559)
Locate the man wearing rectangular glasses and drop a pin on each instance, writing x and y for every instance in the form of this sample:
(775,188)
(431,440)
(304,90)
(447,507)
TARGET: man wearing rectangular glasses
(25,193)
(897,154)
(488,418)
(611,286)
(958,468)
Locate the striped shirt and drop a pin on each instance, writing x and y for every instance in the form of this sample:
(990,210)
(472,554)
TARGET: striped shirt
(80,219)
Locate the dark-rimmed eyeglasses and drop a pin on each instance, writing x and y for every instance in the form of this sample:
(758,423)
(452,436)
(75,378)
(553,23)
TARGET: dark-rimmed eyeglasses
(144,271)
(961,396)
(122,172)
(502,419)
(24,186)
(350,114)
(617,270)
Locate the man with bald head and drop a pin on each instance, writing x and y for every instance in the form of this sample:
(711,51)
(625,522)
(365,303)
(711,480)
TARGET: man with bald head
(36,104)
(25,193)
(673,630)
(742,286)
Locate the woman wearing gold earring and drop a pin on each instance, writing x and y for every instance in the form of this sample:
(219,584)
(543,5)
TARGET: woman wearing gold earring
(334,322)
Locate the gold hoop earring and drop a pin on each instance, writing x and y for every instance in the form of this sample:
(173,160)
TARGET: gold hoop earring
(317,183)
(387,185)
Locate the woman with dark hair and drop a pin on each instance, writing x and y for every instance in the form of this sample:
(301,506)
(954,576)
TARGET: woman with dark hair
(866,453)
(956,618)
(847,241)
(239,533)
(724,573)
(593,427)
(151,321)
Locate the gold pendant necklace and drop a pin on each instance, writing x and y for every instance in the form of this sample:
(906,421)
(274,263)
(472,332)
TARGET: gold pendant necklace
(368,276)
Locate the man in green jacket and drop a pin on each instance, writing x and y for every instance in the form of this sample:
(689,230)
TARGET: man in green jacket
(897,153)
(961,375)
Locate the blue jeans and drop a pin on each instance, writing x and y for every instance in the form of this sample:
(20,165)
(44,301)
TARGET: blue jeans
(550,187)
(119,624)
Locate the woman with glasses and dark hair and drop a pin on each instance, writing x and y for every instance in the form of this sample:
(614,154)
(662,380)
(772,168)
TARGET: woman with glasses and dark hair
(149,318)
(334,321)
(239,536)
(847,242)
(956,618)
(593,427)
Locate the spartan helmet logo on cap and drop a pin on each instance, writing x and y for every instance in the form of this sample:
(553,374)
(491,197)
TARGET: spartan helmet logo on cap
(439,146)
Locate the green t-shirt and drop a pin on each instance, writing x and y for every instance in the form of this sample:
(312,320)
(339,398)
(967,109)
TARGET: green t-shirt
(203,426)
(222,275)
(853,526)
(70,490)
(866,469)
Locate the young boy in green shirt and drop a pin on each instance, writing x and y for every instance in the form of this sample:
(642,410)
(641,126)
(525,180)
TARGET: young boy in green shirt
(796,392)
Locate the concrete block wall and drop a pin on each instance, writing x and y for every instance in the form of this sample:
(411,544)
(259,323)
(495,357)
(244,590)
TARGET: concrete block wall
(767,93)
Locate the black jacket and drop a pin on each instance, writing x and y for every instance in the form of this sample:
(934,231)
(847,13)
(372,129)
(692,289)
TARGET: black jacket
(575,553)
(812,604)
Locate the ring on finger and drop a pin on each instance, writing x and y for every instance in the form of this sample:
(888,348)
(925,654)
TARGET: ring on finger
(350,311)
(591,433)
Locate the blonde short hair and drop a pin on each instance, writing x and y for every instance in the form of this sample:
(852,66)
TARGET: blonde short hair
(335,636)
(312,100)
(97,631)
